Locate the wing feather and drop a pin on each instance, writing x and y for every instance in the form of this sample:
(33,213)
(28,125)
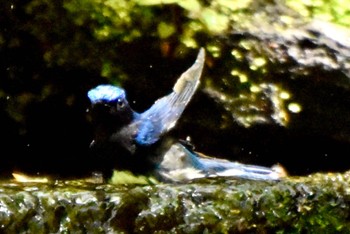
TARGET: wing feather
(165,112)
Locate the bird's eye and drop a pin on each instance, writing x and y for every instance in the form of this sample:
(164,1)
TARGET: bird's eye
(120,103)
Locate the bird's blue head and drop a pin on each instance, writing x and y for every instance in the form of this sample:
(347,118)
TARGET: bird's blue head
(105,93)
(109,108)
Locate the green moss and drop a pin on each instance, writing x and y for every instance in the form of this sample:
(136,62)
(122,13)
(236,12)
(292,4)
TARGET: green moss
(126,177)
(335,11)
(313,204)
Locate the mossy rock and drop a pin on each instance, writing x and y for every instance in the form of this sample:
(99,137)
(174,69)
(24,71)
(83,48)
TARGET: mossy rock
(319,203)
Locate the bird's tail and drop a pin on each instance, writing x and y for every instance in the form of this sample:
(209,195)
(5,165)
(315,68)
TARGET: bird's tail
(223,168)
(181,163)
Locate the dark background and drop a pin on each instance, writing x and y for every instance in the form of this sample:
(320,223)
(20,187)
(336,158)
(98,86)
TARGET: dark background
(43,116)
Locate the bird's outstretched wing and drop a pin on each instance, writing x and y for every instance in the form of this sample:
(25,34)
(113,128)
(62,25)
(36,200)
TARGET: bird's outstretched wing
(164,113)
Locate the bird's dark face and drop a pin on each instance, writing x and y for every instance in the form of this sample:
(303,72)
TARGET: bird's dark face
(109,110)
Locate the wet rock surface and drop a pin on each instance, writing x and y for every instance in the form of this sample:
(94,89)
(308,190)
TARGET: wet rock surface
(297,204)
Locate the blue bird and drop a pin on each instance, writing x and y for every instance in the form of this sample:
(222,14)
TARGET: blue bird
(138,142)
